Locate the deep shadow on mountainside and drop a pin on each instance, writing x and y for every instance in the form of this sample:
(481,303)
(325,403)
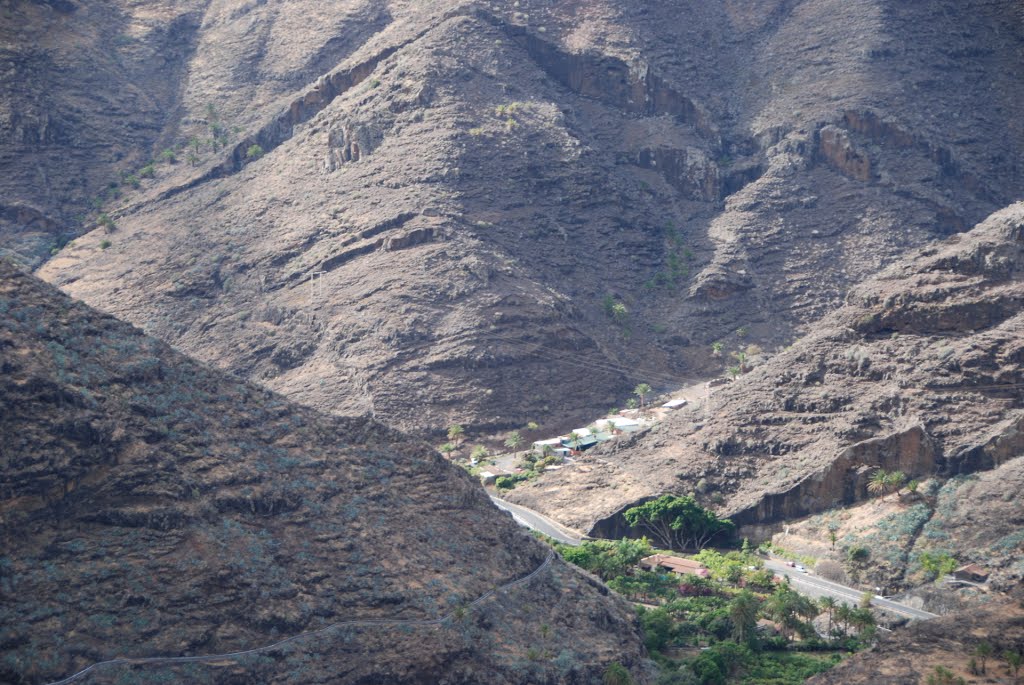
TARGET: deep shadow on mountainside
(152,506)
(921,371)
(479,181)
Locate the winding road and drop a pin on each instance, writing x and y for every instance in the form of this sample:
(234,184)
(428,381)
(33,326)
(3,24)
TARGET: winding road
(803,582)
(166,660)
(529,518)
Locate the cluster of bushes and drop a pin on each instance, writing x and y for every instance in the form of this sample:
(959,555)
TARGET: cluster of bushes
(720,613)
(219,137)
(677,262)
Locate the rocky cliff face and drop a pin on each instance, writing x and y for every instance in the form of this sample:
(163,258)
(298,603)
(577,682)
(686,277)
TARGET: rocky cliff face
(920,371)
(150,506)
(476,179)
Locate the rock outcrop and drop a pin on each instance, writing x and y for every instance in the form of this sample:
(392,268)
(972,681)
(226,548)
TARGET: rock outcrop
(150,506)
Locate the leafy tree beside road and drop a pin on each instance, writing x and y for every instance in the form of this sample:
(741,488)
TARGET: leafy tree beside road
(678,522)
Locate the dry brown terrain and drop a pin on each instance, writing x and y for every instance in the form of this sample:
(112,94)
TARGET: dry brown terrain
(475,178)
(150,506)
(920,371)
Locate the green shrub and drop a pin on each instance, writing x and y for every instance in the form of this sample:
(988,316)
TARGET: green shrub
(148,171)
(104,244)
(616,674)
(254,152)
(859,554)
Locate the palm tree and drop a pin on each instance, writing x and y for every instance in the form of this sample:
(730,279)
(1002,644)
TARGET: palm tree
(895,480)
(455,433)
(447,448)
(983,651)
(828,605)
(716,348)
(844,614)
(1013,662)
(574,440)
(879,482)
(641,391)
(513,441)
(743,614)
(479,453)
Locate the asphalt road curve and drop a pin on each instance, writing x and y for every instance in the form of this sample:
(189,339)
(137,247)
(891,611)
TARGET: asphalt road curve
(815,586)
(538,522)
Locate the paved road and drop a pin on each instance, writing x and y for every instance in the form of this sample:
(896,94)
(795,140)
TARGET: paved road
(529,518)
(805,583)
(815,586)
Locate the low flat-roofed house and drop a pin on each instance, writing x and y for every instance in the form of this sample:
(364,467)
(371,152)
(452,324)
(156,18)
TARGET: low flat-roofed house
(972,573)
(675,404)
(619,424)
(488,478)
(553,443)
(583,439)
(678,565)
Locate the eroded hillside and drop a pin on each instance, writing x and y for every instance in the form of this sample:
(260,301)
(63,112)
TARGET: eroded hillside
(920,371)
(480,182)
(152,507)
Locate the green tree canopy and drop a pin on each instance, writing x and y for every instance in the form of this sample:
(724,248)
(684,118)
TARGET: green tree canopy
(678,522)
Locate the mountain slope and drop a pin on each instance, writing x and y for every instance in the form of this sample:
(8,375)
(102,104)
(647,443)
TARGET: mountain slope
(920,371)
(480,182)
(152,507)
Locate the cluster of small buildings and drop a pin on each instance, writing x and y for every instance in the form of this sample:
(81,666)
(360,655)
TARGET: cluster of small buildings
(603,430)
(582,439)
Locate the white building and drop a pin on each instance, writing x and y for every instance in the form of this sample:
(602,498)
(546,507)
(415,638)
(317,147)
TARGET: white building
(619,423)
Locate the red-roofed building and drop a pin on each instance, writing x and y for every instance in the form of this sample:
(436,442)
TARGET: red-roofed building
(674,564)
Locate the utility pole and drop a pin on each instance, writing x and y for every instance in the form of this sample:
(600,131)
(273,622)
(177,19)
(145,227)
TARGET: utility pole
(316,286)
